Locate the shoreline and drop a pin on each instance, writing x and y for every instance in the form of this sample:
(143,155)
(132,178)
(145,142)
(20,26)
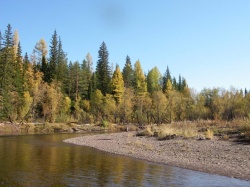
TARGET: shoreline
(224,158)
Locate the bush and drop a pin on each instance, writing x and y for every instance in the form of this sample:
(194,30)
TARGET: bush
(105,123)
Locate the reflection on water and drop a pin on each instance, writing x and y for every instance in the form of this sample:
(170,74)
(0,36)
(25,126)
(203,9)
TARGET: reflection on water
(44,160)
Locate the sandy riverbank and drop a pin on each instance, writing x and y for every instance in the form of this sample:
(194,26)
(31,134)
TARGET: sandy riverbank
(226,158)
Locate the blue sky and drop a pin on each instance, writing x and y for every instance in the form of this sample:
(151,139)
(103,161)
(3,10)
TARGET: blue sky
(206,41)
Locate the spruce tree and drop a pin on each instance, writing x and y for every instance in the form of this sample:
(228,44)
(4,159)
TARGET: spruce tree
(180,84)
(103,70)
(18,70)
(128,73)
(53,57)
(62,67)
(0,40)
(8,89)
(166,77)
(92,86)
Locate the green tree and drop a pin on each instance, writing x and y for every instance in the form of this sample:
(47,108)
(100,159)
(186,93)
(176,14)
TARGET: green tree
(53,58)
(159,107)
(0,40)
(128,73)
(92,85)
(8,89)
(103,70)
(166,78)
(96,104)
(86,71)
(154,80)
(62,67)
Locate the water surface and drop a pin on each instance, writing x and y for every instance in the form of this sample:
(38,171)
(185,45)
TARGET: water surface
(44,160)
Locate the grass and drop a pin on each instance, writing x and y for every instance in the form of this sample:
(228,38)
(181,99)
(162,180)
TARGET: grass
(184,130)
(225,130)
(209,134)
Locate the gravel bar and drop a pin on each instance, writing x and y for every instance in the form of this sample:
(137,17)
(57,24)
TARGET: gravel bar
(226,158)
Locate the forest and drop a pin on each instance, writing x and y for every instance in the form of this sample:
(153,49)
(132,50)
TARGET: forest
(46,87)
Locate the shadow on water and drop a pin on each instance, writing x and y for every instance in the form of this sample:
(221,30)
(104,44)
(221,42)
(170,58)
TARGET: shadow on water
(44,160)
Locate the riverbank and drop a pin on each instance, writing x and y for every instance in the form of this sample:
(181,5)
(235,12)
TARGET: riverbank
(30,128)
(226,158)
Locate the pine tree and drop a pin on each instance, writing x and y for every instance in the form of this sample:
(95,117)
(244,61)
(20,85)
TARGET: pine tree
(180,84)
(62,67)
(53,58)
(19,70)
(8,89)
(117,85)
(166,77)
(128,73)
(25,62)
(0,40)
(103,70)
(175,85)
(92,86)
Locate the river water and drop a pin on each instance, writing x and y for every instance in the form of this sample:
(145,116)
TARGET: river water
(44,160)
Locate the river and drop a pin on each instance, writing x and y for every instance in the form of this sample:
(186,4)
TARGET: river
(44,160)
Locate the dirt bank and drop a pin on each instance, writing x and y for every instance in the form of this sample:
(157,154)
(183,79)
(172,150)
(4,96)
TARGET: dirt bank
(212,156)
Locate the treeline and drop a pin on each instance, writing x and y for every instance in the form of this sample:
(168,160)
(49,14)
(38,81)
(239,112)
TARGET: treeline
(46,87)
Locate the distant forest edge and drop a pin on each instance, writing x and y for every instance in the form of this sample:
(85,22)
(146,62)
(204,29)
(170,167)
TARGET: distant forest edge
(45,87)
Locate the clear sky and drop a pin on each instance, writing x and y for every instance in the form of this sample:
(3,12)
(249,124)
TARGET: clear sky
(206,41)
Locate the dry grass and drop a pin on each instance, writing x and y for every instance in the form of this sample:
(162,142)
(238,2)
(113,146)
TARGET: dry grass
(209,134)
(185,130)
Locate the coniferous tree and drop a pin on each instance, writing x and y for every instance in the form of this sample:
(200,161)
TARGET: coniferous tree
(42,64)
(103,70)
(62,67)
(175,86)
(18,70)
(68,81)
(180,84)
(92,86)
(25,62)
(53,58)
(87,68)
(166,77)
(8,89)
(128,73)
(117,85)
(0,40)
(246,92)
(140,79)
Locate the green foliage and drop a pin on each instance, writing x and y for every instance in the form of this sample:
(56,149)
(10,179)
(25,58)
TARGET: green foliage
(128,73)
(103,70)
(154,80)
(105,124)
(51,89)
